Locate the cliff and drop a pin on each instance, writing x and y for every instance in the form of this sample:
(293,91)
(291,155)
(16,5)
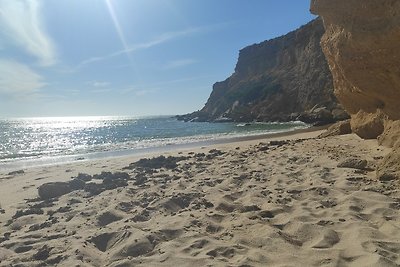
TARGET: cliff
(361,45)
(277,80)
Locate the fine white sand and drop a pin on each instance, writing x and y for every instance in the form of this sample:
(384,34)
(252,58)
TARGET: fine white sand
(252,203)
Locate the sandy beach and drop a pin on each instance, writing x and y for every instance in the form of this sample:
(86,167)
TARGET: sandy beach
(293,200)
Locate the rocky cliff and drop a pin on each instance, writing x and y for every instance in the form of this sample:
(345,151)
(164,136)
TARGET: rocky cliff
(361,45)
(277,80)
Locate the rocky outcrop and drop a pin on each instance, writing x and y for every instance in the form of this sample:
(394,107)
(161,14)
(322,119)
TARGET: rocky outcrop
(339,128)
(282,79)
(389,169)
(361,45)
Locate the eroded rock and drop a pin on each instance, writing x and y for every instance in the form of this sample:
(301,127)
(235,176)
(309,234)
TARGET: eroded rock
(53,189)
(389,168)
(368,125)
(361,43)
(391,134)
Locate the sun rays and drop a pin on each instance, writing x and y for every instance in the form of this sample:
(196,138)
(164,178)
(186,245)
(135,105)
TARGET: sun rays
(117,25)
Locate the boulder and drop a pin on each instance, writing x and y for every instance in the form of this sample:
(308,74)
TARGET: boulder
(367,125)
(318,116)
(339,114)
(53,189)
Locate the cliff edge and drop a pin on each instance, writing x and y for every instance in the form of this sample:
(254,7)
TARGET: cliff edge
(282,79)
(361,46)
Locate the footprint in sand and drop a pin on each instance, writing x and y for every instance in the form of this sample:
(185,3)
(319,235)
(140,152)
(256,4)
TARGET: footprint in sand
(107,218)
(329,239)
(196,247)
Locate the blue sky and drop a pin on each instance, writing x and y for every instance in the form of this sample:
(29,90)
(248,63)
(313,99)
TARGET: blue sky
(127,57)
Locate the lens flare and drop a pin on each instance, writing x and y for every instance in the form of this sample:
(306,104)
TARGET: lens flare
(117,25)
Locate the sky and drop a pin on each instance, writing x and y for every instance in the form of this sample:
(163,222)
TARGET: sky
(128,57)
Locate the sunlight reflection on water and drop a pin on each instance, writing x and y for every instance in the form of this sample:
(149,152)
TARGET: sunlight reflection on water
(55,136)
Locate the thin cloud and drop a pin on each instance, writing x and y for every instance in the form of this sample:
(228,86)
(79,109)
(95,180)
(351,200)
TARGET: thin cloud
(145,92)
(163,38)
(17,78)
(98,83)
(139,92)
(154,87)
(100,91)
(21,22)
(179,63)
(183,80)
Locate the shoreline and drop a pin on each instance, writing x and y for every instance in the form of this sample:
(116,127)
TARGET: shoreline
(19,164)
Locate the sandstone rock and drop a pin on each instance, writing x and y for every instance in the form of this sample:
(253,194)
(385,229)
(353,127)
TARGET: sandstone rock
(339,128)
(361,45)
(368,125)
(54,189)
(389,168)
(391,133)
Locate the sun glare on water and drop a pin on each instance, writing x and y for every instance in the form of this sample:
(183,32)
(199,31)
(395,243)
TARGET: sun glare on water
(67,122)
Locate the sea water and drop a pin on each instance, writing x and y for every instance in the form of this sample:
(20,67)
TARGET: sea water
(79,137)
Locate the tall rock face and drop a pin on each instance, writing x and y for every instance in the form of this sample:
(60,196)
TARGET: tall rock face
(277,80)
(361,45)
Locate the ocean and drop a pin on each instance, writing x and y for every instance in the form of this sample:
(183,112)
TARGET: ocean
(58,139)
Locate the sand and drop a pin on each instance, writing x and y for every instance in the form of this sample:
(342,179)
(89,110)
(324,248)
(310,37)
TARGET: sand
(250,203)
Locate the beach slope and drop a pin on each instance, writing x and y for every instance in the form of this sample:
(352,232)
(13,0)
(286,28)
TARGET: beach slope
(288,201)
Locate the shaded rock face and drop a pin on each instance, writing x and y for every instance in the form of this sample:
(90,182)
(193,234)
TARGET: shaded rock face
(361,45)
(276,80)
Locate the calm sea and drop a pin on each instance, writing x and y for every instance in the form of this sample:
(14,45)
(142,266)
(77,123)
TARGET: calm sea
(79,137)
